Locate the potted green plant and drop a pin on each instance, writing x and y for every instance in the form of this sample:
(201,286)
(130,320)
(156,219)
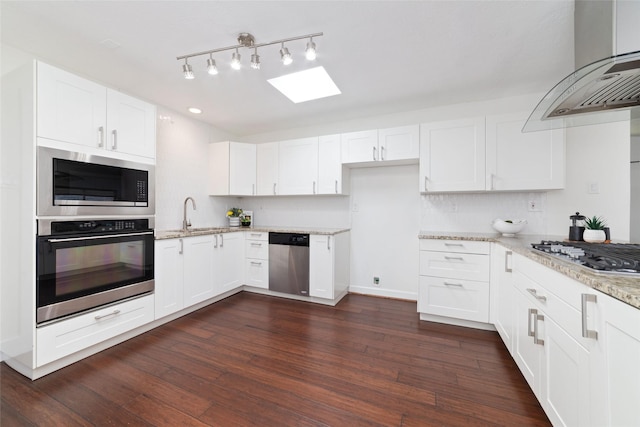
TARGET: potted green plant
(594,230)
(245,220)
(234,217)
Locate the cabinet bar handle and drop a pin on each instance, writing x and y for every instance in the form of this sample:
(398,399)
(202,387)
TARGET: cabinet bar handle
(256,263)
(456,258)
(336,186)
(425,183)
(256,234)
(507,269)
(536,296)
(537,340)
(114,142)
(328,243)
(216,236)
(257,244)
(454,244)
(382,153)
(492,182)
(374,153)
(314,187)
(101,136)
(253,189)
(274,188)
(459,285)
(222,240)
(588,333)
(532,311)
(181,247)
(113,313)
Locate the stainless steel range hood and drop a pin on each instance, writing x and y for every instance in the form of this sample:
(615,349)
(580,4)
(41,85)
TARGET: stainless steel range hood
(605,90)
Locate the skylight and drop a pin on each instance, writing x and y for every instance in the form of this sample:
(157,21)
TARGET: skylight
(306,85)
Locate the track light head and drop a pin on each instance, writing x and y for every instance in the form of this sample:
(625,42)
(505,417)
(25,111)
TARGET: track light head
(212,68)
(285,55)
(255,60)
(235,60)
(310,52)
(188,72)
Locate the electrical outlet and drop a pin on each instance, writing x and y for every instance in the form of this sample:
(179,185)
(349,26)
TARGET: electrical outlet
(376,281)
(534,206)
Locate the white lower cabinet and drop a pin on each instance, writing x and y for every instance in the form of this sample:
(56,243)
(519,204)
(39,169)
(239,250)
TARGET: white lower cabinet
(328,265)
(228,261)
(169,280)
(502,292)
(256,260)
(77,333)
(454,279)
(199,284)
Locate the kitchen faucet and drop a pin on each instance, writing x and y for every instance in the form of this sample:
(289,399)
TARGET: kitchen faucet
(186,224)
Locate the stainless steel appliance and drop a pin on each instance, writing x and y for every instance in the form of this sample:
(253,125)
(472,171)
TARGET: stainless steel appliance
(614,258)
(289,263)
(85,264)
(79,184)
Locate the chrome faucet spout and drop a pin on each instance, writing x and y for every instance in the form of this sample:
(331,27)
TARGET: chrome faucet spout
(185,223)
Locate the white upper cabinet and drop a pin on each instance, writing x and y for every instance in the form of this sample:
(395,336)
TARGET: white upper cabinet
(331,179)
(400,143)
(131,125)
(298,166)
(359,147)
(267,169)
(232,169)
(452,155)
(74,110)
(523,161)
(70,108)
(388,145)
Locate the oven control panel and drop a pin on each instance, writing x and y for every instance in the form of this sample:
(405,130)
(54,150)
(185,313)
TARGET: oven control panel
(99,226)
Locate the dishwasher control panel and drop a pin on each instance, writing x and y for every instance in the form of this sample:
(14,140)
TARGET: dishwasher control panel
(289,239)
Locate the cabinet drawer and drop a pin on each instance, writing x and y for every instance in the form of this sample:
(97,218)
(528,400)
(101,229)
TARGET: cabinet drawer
(68,336)
(461,299)
(462,246)
(257,235)
(257,273)
(454,265)
(256,249)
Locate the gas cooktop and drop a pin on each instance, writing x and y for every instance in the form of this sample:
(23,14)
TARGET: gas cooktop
(618,258)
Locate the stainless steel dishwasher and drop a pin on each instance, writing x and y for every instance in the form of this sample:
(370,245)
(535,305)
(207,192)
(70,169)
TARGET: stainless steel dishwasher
(289,263)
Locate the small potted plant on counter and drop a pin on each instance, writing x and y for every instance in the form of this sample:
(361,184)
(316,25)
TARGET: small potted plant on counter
(234,217)
(594,230)
(245,220)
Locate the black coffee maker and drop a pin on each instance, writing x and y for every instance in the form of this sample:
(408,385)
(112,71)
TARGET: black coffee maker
(576,230)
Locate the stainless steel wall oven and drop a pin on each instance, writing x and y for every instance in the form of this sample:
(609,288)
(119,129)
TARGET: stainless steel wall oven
(79,184)
(85,264)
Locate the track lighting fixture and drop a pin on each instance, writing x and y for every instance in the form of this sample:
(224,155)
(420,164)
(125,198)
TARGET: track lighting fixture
(235,60)
(255,60)
(246,40)
(310,52)
(186,69)
(211,66)
(285,55)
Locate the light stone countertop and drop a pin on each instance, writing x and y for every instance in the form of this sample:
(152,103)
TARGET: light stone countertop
(177,234)
(622,287)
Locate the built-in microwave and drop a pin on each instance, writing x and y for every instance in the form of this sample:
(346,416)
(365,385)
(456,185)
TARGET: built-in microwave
(80,184)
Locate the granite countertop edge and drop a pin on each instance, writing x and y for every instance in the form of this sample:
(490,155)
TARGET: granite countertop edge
(623,288)
(178,234)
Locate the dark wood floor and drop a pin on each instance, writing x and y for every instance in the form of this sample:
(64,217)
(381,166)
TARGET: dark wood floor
(262,361)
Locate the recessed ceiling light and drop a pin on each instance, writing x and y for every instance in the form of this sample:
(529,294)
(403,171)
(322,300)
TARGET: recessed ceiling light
(306,85)
(194,110)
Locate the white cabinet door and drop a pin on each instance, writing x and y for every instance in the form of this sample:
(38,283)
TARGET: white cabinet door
(232,169)
(199,281)
(452,156)
(131,125)
(229,261)
(330,179)
(360,147)
(456,298)
(526,353)
(503,294)
(257,273)
(70,108)
(617,356)
(321,266)
(523,161)
(298,166)
(169,270)
(267,169)
(400,143)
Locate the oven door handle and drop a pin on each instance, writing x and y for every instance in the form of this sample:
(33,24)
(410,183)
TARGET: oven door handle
(110,236)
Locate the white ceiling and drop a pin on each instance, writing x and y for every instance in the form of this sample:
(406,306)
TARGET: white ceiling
(385,56)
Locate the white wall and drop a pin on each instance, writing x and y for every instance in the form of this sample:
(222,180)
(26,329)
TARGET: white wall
(599,156)
(635,190)
(182,165)
(298,211)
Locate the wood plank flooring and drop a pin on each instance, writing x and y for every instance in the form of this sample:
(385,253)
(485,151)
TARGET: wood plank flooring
(254,360)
